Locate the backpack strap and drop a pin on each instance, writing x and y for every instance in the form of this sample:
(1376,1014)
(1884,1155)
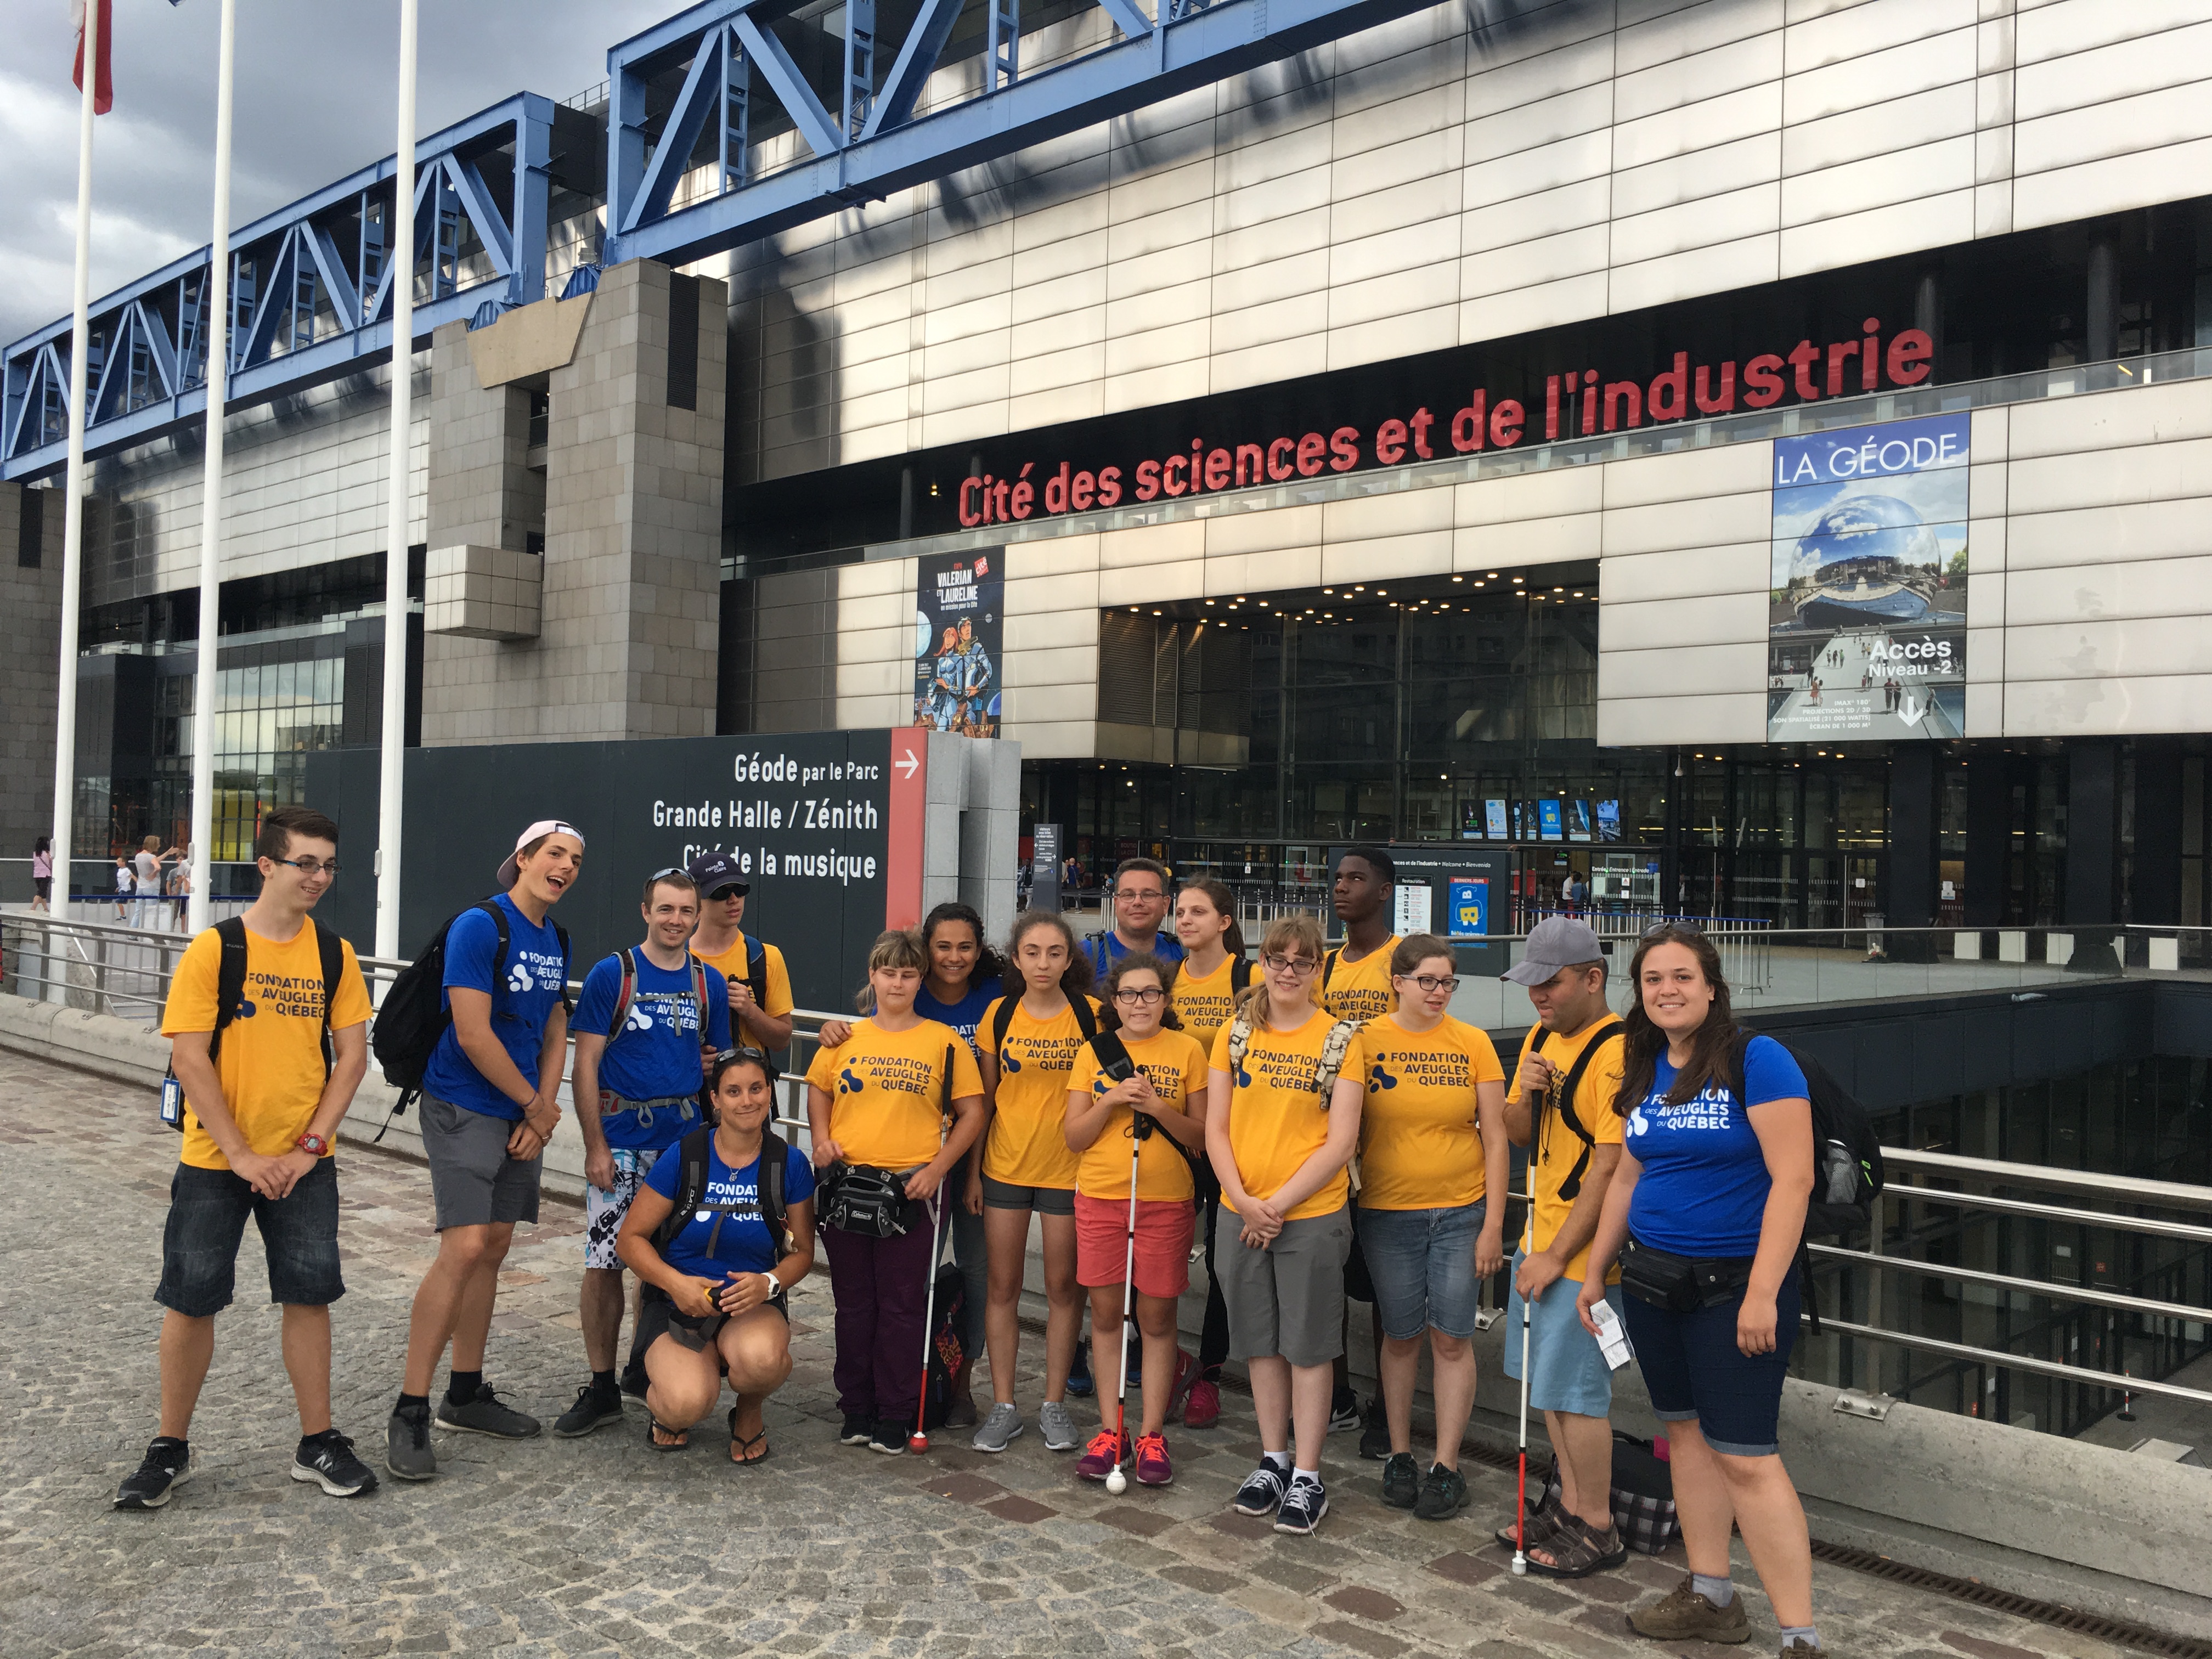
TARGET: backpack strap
(1240,974)
(1608,1031)
(560,932)
(1086,1021)
(699,994)
(1003,1021)
(691,1184)
(626,997)
(506,944)
(330,946)
(944,1109)
(1328,966)
(230,981)
(775,1155)
(1334,1047)
(756,975)
(1240,1042)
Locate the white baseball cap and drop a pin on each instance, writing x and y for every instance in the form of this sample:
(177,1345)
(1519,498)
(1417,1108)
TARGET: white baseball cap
(537,831)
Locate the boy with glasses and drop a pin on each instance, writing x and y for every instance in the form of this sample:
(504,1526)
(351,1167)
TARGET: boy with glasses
(268,1024)
(645,1020)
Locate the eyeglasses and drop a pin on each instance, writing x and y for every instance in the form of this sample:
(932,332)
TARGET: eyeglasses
(1139,893)
(1276,963)
(1430,983)
(1147,995)
(310,867)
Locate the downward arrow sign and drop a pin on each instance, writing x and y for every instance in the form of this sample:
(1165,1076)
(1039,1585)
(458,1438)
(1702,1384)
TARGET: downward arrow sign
(1911,712)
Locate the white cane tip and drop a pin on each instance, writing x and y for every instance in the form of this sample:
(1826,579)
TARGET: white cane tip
(1117,1483)
(1519,1566)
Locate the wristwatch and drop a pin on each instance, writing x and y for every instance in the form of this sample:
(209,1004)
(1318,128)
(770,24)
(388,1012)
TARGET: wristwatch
(313,1143)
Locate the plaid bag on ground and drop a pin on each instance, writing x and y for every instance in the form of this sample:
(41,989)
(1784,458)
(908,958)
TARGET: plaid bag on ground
(1642,1496)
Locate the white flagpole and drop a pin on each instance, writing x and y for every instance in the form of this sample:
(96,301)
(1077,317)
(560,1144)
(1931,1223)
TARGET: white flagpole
(394,734)
(73,523)
(215,327)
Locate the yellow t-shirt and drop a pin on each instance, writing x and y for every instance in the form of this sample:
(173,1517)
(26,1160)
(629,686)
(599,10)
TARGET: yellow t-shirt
(1028,1145)
(1176,1065)
(1205,1006)
(272,1060)
(775,989)
(1419,1148)
(1559,1148)
(1277,1119)
(887,1091)
(1360,990)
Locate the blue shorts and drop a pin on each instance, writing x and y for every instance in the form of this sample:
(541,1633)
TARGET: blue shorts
(1567,1371)
(1694,1369)
(207,1211)
(1421,1263)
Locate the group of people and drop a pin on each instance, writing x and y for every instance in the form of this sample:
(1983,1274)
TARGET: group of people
(150,884)
(1316,1121)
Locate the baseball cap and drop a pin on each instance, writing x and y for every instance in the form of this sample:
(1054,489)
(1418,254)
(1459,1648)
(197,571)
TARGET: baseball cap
(537,831)
(717,874)
(1556,942)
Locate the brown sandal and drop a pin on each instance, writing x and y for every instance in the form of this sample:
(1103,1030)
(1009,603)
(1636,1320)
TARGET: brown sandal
(1543,1521)
(1580,1550)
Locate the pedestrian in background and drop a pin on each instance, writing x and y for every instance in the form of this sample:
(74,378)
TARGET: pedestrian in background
(42,874)
(1707,1215)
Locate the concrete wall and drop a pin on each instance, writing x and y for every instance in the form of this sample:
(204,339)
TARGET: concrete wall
(1426,185)
(30,624)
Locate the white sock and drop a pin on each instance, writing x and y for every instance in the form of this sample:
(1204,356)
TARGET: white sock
(1313,1475)
(1718,1591)
(1279,1461)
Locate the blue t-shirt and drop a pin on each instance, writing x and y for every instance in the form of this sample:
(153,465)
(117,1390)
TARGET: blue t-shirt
(525,990)
(965,1016)
(744,1246)
(1106,949)
(655,1056)
(1705,1182)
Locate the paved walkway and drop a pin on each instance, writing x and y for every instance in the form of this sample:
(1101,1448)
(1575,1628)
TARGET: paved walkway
(600,1548)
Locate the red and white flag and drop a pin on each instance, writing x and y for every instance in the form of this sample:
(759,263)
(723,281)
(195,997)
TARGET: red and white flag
(103,95)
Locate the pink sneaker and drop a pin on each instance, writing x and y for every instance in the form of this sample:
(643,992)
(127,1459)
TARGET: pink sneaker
(1203,1409)
(1097,1460)
(1153,1469)
(1186,1373)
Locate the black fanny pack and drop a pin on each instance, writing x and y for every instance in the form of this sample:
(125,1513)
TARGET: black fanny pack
(860,1198)
(1681,1284)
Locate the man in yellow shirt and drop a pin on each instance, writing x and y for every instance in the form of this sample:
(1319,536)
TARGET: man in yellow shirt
(760,985)
(268,1023)
(1572,1060)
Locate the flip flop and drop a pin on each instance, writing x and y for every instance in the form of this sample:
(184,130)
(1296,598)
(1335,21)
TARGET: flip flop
(653,1427)
(741,1443)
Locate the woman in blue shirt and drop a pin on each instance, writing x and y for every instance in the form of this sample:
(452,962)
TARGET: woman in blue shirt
(964,979)
(722,1278)
(1705,1214)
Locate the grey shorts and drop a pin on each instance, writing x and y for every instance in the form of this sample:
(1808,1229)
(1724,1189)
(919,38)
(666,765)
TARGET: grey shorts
(1287,1299)
(1045,1200)
(473,1183)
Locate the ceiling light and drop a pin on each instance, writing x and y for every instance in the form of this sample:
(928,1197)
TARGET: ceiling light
(1577,596)
(1492,575)
(1559,590)
(1459,579)
(1520,579)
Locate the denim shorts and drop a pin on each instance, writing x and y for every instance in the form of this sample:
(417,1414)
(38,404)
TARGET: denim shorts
(1567,1371)
(1694,1369)
(208,1210)
(1045,1200)
(1422,1266)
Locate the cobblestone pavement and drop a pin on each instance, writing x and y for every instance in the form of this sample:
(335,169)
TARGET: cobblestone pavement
(600,1546)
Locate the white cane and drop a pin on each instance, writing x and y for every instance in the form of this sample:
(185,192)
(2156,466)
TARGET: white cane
(1116,1482)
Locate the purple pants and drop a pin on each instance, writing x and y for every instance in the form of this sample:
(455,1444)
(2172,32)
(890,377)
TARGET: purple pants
(882,1285)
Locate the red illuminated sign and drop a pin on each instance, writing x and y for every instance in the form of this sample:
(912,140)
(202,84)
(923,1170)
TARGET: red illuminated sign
(1576,403)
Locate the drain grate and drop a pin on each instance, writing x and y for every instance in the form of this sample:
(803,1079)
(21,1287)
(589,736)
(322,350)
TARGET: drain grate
(2140,1637)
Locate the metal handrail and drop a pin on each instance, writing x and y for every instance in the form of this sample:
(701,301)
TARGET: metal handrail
(2171,1194)
(2104,1380)
(2150,1226)
(2120,1299)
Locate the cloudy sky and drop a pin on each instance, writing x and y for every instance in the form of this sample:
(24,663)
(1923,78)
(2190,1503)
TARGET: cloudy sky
(316,100)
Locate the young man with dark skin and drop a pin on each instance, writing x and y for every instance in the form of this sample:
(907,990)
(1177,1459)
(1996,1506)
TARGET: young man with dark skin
(1565,971)
(262,1104)
(763,1021)
(1356,986)
(490,1102)
(637,1087)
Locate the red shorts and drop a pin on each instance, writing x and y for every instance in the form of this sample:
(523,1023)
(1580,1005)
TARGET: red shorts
(1164,1234)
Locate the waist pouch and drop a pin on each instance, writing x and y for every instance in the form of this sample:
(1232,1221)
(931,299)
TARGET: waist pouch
(860,1198)
(1681,1284)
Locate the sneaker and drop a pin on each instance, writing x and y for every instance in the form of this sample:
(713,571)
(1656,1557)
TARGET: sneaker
(1106,1450)
(633,1381)
(1401,1481)
(1079,1380)
(961,1412)
(1002,1426)
(1344,1412)
(1683,1615)
(1375,1432)
(1153,1469)
(1444,1494)
(487,1414)
(1262,1491)
(327,1461)
(592,1410)
(1057,1427)
(888,1438)
(407,1451)
(1304,1505)
(166,1467)
(856,1431)
(1186,1375)
(1801,1648)
(1202,1410)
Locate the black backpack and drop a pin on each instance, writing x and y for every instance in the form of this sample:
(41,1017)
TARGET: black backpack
(414,1015)
(946,1351)
(230,991)
(1003,1021)
(1608,1031)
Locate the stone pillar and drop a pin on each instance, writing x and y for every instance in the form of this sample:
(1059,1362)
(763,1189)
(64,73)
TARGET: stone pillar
(30,643)
(630,604)
(2155,892)
(1989,837)
(1915,821)
(2093,833)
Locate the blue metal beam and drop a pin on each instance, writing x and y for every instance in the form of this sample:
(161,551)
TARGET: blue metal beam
(895,152)
(290,256)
